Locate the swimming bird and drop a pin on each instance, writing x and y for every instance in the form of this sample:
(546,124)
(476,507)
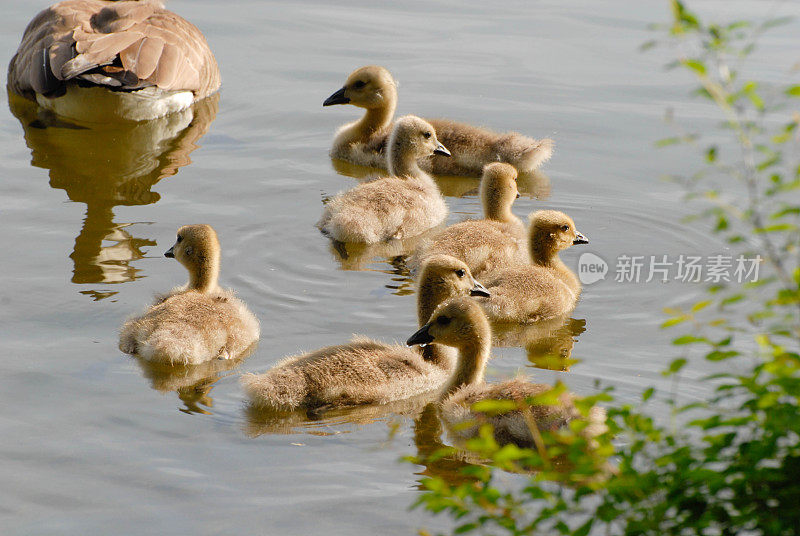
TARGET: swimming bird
(545,288)
(99,60)
(196,322)
(493,242)
(366,371)
(462,324)
(364,141)
(401,206)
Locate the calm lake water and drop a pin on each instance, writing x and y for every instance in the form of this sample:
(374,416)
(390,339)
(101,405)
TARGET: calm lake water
(94,442)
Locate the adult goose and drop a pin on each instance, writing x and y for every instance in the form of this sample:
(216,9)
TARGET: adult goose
(99,60)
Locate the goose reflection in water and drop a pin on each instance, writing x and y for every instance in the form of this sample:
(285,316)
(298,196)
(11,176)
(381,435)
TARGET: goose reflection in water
(192,383)
(391,255)
(428,430)
(549,344)
(107,165)
(535,185)
(260,421)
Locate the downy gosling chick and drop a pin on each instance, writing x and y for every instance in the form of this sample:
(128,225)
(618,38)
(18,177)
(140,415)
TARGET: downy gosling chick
(97,60)
(493,242)
(197,322)
(401,206)
(462,324)
(364,141)
(544,289)
(365,371)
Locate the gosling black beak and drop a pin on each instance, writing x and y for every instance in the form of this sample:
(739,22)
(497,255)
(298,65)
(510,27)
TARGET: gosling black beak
(337,98)
(442,150)
(170,253)
(479,290)
(580,239)
(420,337)
(517,195)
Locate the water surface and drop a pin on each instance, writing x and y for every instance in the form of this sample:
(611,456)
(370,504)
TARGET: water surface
(94,441)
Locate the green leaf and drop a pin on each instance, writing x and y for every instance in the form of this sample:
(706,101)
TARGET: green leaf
(695,65)
(718,355)
(756,100)
(688,339)
(494,406)
(668,141)
(775,228)
(584,529)
(675,366)
(793,91)
(769,162)
(674,321)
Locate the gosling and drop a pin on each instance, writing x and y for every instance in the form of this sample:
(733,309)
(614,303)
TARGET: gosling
(197,322)
(401,206)
(99,60)
(462,324)
(493,242)
(365,371)
(364,141)
(544,289)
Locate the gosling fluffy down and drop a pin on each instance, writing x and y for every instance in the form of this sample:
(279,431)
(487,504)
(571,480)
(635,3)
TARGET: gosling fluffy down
(401,206)
(462,324)
(494,242)
(545,288)
(364,142)
(365,371)
(197,322)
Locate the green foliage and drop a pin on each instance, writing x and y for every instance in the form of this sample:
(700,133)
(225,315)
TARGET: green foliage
(731,464)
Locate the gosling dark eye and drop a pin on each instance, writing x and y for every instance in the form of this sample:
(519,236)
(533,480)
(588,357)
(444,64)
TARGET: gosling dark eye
(179,239)
(443,320)
(565,227)
(427,135)
(359,84)
(460,273)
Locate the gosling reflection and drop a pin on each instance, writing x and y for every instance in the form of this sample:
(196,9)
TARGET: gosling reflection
(535,185)
(548,344)
(260,421)
(428,431)
(95,263)
(106,165)
(393,255)
(192,383)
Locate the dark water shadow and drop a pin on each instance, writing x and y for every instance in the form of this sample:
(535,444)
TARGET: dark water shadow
(107,165)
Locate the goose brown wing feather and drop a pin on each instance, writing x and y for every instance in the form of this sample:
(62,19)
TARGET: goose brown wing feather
(153,45)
